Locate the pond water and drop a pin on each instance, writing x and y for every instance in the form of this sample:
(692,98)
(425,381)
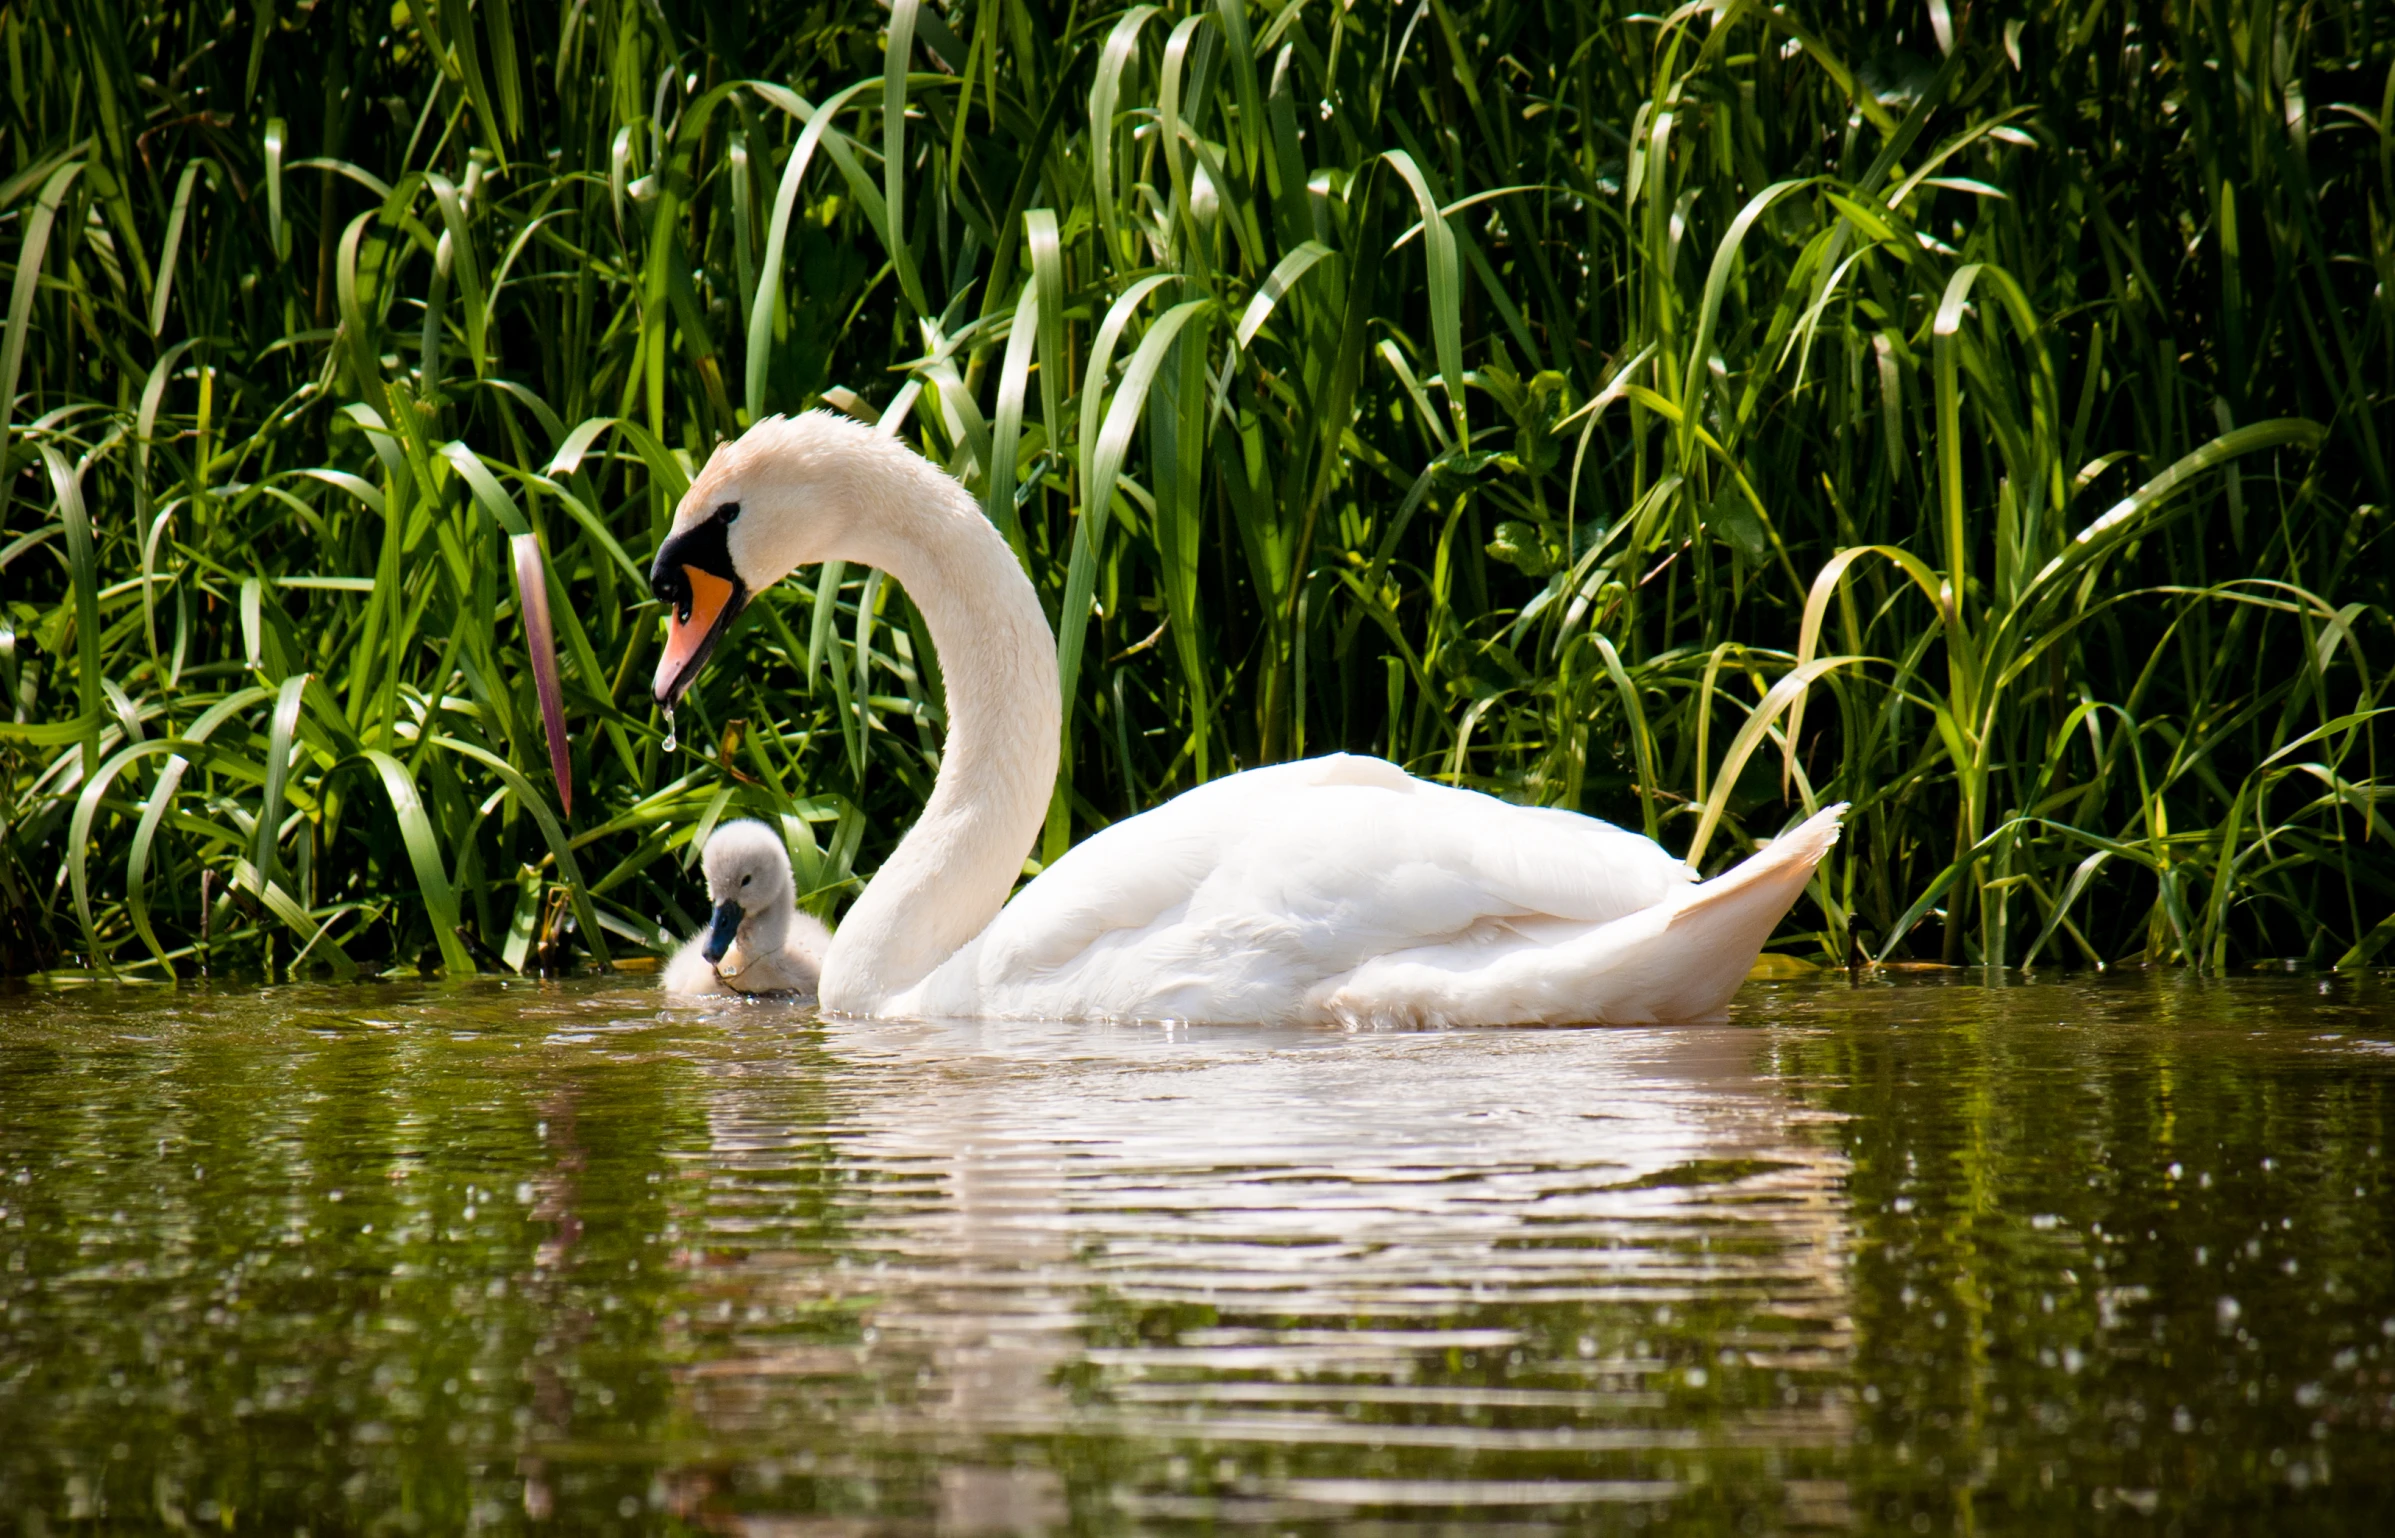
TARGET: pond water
(1918,1255)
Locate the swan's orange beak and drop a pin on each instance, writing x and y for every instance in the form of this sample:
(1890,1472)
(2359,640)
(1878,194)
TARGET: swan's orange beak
(706,607)
(693,576)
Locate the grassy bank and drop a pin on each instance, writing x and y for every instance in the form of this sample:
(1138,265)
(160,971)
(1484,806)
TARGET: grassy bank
(1685,418)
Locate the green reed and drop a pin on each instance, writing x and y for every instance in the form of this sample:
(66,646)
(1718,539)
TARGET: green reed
(1687,418)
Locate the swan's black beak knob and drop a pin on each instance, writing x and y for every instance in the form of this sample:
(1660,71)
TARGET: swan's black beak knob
(722,932)
(694,578)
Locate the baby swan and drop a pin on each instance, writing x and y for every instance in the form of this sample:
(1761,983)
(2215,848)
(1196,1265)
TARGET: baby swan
(757,941)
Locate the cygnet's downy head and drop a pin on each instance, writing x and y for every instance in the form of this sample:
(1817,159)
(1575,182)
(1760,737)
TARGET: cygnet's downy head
(748,881)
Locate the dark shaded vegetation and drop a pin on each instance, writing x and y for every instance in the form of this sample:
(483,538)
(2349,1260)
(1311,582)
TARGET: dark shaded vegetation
(2011,380)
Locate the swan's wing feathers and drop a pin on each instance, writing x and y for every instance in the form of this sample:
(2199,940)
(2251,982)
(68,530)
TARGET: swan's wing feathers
(1131,875)
(1543,862)
(1361,865)
(1252,887)
(1124,877)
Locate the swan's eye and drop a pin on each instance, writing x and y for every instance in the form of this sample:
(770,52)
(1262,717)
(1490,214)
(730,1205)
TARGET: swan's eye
(745,880)
(729,513)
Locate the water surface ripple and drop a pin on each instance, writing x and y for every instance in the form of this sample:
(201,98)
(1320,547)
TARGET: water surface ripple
(1909,1256)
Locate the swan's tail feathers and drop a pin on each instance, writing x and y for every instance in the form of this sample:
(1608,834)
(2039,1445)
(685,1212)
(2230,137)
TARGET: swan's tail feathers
(1718,927)
(1681,959)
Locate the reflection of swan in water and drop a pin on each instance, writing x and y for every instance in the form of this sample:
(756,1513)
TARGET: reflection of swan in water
(1336,890)
(1236,1240)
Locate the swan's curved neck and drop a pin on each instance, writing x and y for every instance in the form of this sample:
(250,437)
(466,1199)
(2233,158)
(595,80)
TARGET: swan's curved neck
(952,872)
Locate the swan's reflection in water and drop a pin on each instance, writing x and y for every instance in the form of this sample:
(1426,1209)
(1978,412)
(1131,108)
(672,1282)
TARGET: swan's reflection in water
(994,1278)
(507,1257)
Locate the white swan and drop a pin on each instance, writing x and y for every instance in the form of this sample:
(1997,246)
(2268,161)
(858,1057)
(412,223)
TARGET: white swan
(756,940)
(1335,890)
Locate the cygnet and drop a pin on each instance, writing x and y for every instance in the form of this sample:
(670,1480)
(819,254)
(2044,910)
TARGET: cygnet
(756,941)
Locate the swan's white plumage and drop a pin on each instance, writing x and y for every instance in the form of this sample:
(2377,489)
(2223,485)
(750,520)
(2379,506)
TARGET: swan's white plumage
(1342,890)
(1239,899)
(1336,890)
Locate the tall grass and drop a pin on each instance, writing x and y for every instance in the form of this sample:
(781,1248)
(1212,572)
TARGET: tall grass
(1687,418)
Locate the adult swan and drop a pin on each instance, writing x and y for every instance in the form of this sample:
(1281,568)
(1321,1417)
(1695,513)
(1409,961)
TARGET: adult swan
(1336,890)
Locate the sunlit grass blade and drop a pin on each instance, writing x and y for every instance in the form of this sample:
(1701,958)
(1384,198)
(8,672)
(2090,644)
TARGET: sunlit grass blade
(532,598)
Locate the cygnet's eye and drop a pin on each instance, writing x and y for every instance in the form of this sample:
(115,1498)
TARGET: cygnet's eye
(729,513)
(745,880)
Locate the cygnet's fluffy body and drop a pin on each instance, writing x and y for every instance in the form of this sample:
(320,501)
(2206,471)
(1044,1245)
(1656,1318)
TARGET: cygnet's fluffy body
(757,941)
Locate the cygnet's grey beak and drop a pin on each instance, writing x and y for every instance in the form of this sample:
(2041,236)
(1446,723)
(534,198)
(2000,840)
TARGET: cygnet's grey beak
(721,933)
